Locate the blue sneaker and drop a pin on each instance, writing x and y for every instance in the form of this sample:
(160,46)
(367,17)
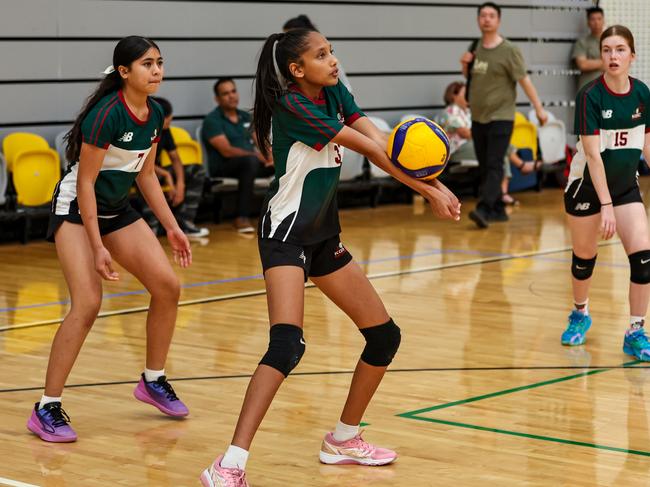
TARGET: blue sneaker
(636,343)
(576,332)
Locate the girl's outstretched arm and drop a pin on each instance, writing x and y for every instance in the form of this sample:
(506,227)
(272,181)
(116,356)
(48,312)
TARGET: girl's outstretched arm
(443,202)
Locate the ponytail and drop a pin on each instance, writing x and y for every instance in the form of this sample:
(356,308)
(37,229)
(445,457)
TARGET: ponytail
(272,77)
(126,51)
(112,82)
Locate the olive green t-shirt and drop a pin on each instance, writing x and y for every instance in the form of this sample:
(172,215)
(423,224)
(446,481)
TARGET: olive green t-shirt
(588,47)
(493,89)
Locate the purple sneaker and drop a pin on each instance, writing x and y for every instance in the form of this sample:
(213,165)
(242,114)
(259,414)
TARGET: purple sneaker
(50,423)
(161,395)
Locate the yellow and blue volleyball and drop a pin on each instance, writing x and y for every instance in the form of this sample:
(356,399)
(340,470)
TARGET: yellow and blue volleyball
(419,147)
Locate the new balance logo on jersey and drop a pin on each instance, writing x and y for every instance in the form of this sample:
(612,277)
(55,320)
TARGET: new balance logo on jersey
(127,137)
(607,113)
(302,257)
(582,206)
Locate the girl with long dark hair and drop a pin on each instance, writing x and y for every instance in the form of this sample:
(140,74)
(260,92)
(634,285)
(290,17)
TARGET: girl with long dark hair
(312,117)
(112,144)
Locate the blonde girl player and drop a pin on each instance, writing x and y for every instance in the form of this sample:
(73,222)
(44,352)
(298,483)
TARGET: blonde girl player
(602,195)
(313,117)
(113,142)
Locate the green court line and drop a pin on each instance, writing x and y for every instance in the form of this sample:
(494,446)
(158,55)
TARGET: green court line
(531,436)
(509,391)
(415,414)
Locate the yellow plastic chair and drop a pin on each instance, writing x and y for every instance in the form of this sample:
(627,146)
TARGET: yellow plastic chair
(188,149)
(524,134)
(18,142)
(35,174)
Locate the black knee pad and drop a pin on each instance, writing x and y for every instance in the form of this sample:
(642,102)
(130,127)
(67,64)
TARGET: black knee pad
(382,342)
(286,347)
(640,267)
(582,269)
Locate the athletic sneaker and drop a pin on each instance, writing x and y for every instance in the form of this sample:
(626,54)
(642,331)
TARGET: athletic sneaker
(479,217)
(192,231)
(354,451)
(243,225)
(160,394)
(217,476)
(576,331)
(636,343)
(50,423)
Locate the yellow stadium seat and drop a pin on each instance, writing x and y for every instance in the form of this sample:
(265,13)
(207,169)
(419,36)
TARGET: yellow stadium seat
(524,134)
(35,174)
(188,149)
(18,142)
(180,134)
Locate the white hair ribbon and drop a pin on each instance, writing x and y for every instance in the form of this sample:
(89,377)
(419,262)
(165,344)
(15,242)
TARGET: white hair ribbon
(109,69)
(281,79)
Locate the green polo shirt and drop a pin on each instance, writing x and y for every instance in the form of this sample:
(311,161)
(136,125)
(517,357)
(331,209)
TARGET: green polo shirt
(495,73)
(238,134)
(588,47)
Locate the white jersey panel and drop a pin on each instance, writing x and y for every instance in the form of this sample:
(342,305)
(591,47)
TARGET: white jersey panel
(117,159)
(301,160)
(67,191)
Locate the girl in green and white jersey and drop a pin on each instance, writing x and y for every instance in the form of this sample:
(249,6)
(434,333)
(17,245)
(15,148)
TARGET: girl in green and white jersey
(602,195)
(112,144)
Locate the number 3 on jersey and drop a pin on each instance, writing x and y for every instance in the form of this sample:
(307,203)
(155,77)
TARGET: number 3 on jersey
(337,157)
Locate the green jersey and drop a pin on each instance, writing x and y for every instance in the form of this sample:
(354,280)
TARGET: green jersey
(621,122)
(300,207)
(111,125)
(238,135)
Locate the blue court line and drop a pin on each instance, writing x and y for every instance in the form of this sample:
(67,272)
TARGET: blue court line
(362,262)
(260,276)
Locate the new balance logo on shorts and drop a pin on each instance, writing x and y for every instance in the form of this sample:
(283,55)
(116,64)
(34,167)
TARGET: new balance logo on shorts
(582,206)
(302,257)
(340,251)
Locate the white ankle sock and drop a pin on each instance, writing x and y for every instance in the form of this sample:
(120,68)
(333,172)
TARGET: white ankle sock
(636,322)
(235,457)
(152,375)
(585,310)
(47,400)
(345,432)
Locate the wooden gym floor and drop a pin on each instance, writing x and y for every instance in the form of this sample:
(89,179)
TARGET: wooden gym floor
(481,392)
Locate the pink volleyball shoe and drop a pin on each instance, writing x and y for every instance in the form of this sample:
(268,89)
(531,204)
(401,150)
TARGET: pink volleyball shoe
(217,476)
(354,451)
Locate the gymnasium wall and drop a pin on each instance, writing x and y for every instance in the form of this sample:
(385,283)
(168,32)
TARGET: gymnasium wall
(399,54)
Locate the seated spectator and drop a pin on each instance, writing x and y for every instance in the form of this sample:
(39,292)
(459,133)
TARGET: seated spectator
(457,122)
(304,22)
(184,187)
(525,167)
(231,149)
